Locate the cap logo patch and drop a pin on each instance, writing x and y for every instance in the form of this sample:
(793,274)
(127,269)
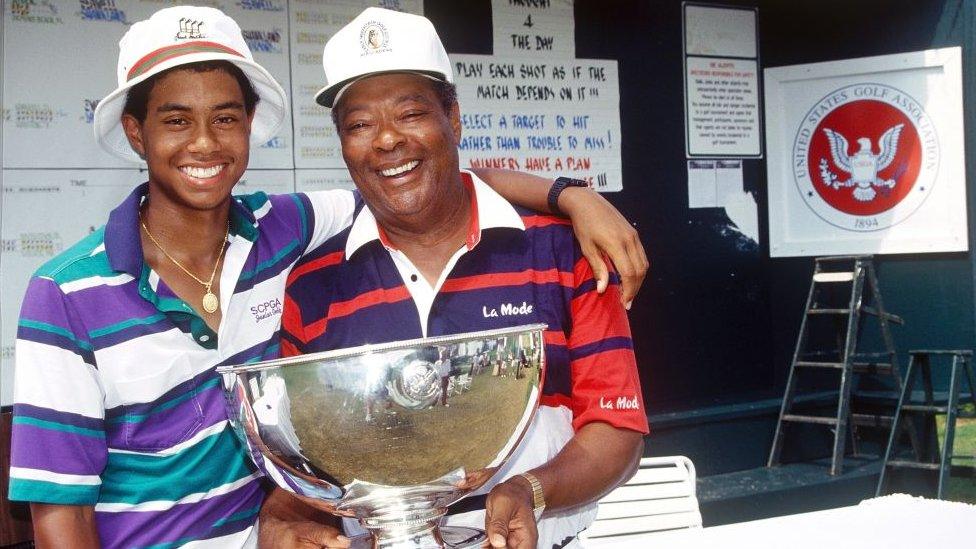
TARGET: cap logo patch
(374,38)
(190,29)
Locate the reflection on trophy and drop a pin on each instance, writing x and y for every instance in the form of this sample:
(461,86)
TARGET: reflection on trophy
(392,433)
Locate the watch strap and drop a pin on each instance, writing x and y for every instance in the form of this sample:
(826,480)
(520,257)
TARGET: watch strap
(538,496)
(558,186)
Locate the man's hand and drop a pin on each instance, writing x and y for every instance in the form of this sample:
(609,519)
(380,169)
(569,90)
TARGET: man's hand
(288,522)
(601,229)
(280,534)
(509,519)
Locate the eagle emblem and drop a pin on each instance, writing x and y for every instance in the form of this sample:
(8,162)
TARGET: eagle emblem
(863,165)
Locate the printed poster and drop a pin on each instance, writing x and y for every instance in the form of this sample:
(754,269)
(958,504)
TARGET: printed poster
(866,156)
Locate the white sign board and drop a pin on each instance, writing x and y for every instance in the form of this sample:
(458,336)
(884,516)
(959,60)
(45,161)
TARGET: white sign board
(720,31)
(546,117)
(866,156)
(722,114)
(533,28)
(723,107)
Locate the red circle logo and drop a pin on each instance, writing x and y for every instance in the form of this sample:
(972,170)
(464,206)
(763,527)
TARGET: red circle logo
(867,156)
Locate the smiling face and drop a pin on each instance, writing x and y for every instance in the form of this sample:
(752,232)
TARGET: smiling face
(400,145)
(195,138)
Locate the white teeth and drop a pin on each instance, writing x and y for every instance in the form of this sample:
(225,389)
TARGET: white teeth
(202,173)
(400,169)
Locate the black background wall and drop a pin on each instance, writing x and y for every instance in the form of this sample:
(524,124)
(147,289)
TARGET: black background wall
(717,319)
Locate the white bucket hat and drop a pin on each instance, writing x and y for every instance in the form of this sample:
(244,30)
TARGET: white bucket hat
(178,36)
(377,41)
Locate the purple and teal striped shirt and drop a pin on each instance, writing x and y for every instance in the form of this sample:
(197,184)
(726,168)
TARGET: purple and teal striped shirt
(116,399)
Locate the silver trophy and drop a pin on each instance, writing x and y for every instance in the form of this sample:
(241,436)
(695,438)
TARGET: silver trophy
(392,434)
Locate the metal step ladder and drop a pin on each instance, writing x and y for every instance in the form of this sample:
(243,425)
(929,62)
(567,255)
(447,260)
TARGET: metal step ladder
(830,275)
(931,458)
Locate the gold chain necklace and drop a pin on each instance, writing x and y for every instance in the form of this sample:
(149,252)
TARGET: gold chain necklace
(210,302)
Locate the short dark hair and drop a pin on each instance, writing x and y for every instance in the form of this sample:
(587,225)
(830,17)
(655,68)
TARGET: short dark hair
(446,94)
(137,100)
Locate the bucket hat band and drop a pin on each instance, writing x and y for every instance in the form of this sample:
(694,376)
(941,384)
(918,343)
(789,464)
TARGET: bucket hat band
(177,36)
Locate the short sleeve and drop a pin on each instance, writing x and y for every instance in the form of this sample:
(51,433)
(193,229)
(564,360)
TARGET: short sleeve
(332,212)
(58,447)
(606,385)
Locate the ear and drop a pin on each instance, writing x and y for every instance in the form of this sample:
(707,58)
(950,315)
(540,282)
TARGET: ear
(455,115)
(133,131)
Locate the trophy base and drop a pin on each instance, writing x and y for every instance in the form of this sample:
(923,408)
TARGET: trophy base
(451,537)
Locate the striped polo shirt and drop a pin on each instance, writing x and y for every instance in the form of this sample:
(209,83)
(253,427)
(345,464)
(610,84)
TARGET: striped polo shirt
(116,400)
(517,267)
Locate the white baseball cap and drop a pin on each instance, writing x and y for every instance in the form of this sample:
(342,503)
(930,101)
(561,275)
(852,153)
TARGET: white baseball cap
(377,41)
(178,36)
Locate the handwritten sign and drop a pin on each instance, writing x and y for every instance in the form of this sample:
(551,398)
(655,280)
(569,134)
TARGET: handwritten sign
(548,118)
(534,28)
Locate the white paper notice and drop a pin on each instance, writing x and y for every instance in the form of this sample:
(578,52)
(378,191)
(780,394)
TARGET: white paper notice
(720,31)
(723,107)
(728,178)
(549,118)
(702,185)
(534,28)
(719,184)
(740,206)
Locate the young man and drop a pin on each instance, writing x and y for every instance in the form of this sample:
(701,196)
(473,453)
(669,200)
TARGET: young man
(120,434)
(435,248)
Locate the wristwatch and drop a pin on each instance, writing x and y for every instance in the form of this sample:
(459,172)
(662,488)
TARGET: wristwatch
(557,188)
(538,497)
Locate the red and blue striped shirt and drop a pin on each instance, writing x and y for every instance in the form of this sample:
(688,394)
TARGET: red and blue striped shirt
(518,267)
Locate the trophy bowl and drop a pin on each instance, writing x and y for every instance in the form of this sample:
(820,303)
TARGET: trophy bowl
(392,433)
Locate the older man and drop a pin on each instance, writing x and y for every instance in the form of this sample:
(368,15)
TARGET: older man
(434,248)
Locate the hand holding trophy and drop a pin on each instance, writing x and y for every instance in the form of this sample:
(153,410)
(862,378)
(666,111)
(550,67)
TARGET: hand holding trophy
(392,433)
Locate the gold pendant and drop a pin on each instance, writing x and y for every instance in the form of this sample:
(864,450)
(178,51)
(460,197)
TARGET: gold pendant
(210,302)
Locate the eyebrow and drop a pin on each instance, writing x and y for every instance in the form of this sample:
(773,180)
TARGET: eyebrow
(418,97)
(179,107)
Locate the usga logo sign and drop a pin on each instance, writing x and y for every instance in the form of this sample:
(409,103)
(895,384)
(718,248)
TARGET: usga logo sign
(866,157)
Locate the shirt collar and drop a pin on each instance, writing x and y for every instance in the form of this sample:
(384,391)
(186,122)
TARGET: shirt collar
(489,208)
(122,239)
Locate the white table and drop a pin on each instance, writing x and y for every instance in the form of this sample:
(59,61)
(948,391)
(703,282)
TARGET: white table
(890,522)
